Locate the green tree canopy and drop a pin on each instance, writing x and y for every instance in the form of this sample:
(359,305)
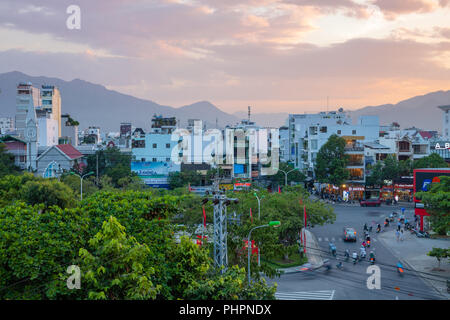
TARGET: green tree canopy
(7,165)
(331,161)
(432,161)
(437,202)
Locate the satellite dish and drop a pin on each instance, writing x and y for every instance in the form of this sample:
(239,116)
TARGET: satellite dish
(341,110)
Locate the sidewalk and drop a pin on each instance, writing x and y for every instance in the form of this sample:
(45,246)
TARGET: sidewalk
(412,251)
(313,253)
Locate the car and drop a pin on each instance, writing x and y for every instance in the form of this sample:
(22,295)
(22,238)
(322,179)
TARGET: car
(370,203)
(349,234)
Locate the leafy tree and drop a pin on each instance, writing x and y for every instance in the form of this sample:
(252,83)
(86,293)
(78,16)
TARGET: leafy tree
(183,178)
(35,190)
(117,268)
(36,247)
(73,182)
(391,168)
(49,192)
(111,162)
(7,165)
(432,161)
(437,202)
(376,176)
(331,161)
(439,253)
(280,178)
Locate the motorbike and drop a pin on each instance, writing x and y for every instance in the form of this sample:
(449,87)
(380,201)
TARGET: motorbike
(368,243)
(355,259)
(347,255)
(372,260)
(400,269)
(378,230)
(340,266)
(421,234)
(370,229)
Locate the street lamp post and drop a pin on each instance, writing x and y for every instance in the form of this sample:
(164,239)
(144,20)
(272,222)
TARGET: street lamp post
(286,174)
(81,181)
(270,224)
(259,204)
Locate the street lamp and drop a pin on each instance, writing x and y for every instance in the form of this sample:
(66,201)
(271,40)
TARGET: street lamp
(259,204)
(286,174)
(270,224)
(81,180)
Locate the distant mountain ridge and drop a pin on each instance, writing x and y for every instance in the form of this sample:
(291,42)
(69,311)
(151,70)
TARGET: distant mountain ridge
(93,104)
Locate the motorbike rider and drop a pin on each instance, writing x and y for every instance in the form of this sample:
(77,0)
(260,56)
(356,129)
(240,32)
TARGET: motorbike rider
(362,252)
(363,244)
(372,256)
(354,256)
(332,248)
(365,227)
(347,254)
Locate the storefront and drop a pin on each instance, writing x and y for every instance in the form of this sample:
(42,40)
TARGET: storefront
(404,188)
(356,192)
(387,193)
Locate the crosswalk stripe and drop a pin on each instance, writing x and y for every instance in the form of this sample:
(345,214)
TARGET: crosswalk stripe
(332,239)
(306,295)
(320,239)
(326,239)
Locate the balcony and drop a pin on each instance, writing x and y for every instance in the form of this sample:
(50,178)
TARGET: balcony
(355,164)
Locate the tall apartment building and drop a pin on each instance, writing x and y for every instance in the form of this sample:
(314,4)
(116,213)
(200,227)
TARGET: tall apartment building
(25,93)
(445,121)
(47,103)
(51,104)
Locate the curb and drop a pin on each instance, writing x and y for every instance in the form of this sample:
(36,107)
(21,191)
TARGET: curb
(404,261)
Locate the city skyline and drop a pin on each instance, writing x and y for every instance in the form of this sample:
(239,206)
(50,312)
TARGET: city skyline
(291,55)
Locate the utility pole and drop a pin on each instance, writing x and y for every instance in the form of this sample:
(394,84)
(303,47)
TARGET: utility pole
(220,202)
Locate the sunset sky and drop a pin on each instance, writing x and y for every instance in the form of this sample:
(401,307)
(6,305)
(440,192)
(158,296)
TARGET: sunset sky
(275,55)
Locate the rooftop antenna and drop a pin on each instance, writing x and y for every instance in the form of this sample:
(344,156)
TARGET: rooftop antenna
(249,113)
(217,123)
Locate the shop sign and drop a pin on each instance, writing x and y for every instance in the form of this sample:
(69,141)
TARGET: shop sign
(404,186)
(444,147)
(356,188)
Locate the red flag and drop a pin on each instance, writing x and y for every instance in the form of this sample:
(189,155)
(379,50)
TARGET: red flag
(304,236)
(279,189)
(204,216)
(251,215)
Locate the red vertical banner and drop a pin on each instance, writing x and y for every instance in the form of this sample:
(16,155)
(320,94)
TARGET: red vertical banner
(204,217)
(279,189)
(189,187)
(304,236)
(251,215)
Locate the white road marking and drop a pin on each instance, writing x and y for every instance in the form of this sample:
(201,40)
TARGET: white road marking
(306,295)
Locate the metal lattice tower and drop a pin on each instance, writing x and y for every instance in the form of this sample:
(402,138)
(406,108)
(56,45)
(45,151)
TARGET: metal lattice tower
(220,233)
(220,201)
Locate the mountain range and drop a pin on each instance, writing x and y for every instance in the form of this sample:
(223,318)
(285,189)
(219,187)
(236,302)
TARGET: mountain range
(94,105)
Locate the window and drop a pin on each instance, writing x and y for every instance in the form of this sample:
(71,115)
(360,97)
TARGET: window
(313,144)
(142,159)
(313,130)
(339,132)
(168,145)
(323,129)
(138,144)
(154,159)
(154,146)
(167,159)
(353,131)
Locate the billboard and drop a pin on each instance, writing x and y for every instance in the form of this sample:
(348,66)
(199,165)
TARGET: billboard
(424,177)
(154,174)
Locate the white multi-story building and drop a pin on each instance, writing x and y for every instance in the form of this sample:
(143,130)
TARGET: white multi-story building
(69,130)
(47,131)
(445,121)
(309,132)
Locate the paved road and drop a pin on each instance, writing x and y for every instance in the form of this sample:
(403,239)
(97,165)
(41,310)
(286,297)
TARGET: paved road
(351,283)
